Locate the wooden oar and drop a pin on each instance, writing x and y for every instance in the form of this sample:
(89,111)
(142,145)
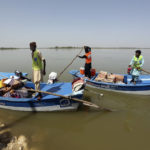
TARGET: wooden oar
(68,97)
(3,76)
(69,64)
(145,71)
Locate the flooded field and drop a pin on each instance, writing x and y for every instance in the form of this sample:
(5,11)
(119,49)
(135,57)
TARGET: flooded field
(128,127)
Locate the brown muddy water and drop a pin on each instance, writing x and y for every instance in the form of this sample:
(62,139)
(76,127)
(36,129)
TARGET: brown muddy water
(128,128)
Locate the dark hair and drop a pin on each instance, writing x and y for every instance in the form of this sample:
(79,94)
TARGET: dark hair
(87,49)
(33,44)
(138,51)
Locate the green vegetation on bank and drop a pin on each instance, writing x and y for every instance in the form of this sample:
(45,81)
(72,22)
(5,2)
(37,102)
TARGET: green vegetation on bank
(71,47)
(64,47)
(5,48)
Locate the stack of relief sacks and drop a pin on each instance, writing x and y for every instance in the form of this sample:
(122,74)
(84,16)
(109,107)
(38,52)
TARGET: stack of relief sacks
(109,77)
(13,87)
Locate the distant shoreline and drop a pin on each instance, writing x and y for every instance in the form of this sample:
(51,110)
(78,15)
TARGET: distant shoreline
(70,47)
(3,48)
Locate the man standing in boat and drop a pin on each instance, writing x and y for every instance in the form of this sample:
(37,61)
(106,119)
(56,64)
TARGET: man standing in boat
(136,64)
(88,61)
(38,66)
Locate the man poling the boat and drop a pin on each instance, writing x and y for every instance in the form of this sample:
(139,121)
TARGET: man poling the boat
(88,61)
(38,65)
(136,64)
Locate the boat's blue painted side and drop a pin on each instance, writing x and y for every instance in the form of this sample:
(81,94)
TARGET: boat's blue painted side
(33,103)
(48,102)
(8,74)
(143,86)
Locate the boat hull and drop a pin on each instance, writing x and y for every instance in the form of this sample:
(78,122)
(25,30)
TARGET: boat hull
(107,88)
(56,104)
(50,108)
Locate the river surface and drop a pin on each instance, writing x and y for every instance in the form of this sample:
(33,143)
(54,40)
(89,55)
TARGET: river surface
(127,128)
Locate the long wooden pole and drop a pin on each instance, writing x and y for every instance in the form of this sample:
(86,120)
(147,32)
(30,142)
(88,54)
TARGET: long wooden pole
(145,71)
(68,97)
(69,64)
(3,76)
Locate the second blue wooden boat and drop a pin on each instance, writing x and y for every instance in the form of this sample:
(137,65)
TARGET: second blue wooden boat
(142,87)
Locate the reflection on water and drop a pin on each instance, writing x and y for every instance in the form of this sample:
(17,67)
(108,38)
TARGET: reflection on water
(126,128)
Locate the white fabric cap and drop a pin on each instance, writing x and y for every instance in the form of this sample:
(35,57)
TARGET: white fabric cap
(52,75)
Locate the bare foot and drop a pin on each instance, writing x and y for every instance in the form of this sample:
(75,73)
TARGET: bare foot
(39,97)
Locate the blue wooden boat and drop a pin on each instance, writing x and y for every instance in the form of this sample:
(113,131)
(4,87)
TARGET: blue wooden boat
(142,87)
(48,102)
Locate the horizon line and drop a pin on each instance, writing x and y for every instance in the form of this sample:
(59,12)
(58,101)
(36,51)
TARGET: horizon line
(72,47)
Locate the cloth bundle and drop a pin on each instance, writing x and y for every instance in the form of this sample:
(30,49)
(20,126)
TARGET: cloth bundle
(15,93)
(77,84)
(13,88)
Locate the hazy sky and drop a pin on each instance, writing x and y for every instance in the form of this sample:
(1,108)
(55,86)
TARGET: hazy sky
(75,22)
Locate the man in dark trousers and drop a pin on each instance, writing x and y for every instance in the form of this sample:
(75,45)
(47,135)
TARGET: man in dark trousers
(88,61)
